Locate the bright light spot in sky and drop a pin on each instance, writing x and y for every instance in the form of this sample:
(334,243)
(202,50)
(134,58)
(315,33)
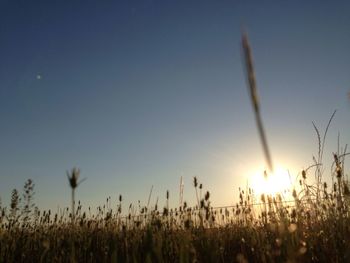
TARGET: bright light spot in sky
(271,184)
(38,76)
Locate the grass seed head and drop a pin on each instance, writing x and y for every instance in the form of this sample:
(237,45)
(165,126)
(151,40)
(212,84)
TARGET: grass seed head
(303,173)
(195,181)
(73,177)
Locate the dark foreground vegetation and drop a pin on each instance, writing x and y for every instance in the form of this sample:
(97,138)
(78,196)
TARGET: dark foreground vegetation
(314,227)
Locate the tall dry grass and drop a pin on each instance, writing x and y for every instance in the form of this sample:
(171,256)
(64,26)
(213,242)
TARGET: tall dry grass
(256,229)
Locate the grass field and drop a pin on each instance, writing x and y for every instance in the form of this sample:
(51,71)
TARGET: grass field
(315,227)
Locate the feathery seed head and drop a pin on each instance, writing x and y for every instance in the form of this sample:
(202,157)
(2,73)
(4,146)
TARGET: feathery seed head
(73,177)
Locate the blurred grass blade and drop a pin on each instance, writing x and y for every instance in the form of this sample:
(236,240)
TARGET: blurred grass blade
(254,98)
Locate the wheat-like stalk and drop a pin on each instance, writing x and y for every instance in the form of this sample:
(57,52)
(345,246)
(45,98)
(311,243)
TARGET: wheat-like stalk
(73,182)
(254,98)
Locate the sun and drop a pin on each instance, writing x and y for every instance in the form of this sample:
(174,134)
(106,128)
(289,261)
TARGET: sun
(271,183)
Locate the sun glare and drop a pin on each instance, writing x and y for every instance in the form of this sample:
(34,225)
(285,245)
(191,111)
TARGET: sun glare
(271,183)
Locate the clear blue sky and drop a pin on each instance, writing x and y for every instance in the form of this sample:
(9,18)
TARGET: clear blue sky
(139,93)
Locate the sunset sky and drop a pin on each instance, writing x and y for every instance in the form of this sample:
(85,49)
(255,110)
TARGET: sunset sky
(140,93)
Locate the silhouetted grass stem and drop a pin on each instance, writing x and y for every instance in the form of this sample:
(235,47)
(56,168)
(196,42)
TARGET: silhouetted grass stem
(254,98)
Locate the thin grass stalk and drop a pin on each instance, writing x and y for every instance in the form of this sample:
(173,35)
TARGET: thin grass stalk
(73,205)
(254,99)
(181,192)
(149,197)
(321,145)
